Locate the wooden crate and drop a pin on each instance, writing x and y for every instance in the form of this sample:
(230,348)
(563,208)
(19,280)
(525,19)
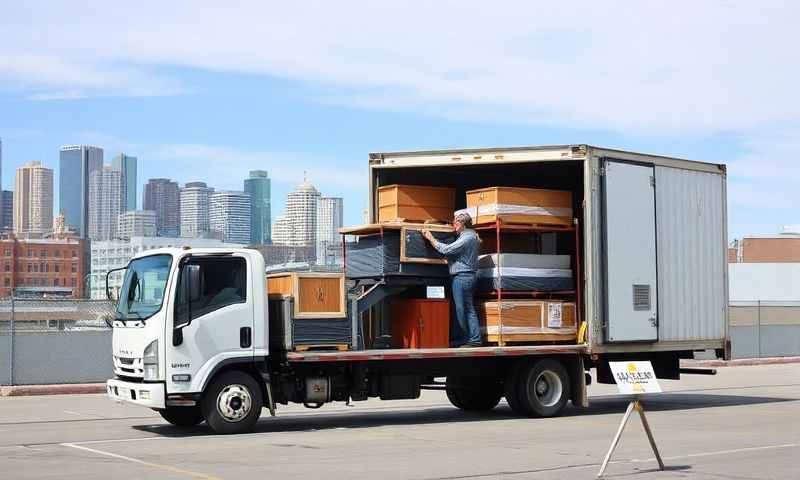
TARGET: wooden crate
(316,295)
(546,207)
(415,203)
(526,320)
(420,323)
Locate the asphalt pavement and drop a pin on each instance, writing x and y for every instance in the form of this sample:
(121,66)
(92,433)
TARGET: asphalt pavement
(743,423)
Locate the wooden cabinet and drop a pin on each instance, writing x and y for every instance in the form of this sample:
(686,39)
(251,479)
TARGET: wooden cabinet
(520,205)
(420,323)
(316,295)
(415,203)
(527,320)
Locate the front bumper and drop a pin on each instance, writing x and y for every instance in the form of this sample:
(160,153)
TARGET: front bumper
(150,395)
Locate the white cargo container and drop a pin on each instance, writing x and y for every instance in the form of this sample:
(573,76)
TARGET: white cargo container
(650,225)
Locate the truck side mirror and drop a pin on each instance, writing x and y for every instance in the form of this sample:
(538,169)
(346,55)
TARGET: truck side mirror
(189,292)
(112,294)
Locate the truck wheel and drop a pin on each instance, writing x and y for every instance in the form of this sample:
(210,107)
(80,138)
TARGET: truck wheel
(512,391)
(232,403)
(182,416)
(473,394)
(543,388)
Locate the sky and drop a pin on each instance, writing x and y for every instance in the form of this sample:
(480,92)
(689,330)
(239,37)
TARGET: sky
(206,91)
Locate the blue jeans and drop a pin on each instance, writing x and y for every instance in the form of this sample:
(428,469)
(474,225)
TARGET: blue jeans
(467,326)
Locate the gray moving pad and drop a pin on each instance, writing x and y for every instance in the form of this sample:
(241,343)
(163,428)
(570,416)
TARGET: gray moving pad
(375,256)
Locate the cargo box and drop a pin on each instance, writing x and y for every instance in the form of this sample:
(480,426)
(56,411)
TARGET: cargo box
(520,205)
(527,320)
(419,203)
(316,295)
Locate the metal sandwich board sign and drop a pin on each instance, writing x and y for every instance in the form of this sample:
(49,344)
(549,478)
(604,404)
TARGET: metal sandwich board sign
(635,377)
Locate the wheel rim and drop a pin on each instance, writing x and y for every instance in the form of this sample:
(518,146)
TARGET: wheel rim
(548,388)
(234,402)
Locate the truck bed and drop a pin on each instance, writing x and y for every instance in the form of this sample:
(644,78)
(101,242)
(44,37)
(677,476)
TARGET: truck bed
(427,353)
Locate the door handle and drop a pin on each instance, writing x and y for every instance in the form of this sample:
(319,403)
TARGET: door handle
(245,337)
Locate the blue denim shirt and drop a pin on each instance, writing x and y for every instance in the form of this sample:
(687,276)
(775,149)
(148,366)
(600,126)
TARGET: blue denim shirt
(462,254)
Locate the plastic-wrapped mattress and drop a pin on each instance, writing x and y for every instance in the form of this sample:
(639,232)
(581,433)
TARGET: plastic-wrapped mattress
(523,272)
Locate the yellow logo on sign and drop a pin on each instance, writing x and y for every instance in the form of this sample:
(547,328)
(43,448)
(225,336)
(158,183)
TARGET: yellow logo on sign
(632,367)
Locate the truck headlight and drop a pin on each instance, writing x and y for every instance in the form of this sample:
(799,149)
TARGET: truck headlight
(150,361)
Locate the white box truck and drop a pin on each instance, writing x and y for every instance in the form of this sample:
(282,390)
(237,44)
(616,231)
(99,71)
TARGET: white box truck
(652,277)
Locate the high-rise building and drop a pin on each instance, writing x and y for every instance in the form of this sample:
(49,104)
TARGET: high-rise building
(162,196)
(33,199)
(105,200)
(301,210)
(136,223)
(330,218)
(194,209)
(258,186)
(126,166)
(229,214)
(75,166)
(7,218)
(282,231)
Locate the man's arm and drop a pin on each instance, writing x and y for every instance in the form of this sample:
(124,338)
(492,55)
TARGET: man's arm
(448,249)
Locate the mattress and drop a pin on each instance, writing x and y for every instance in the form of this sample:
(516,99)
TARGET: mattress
(287,332)
(523,272)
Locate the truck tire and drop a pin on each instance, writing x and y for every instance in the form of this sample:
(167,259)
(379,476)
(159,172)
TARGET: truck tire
(182,416)
(232,403)
(511,389)
(543,388)
(473,394)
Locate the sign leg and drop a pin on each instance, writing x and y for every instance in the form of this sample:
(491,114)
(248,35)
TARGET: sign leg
(649,434)
(614,443)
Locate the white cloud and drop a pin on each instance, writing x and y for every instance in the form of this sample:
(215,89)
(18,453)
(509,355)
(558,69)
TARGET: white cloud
(677,67)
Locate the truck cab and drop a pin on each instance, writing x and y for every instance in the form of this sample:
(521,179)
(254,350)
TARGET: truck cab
(186,318)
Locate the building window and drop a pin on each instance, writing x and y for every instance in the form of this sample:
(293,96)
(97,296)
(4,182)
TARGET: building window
(8,252)
(73,282)
(7,282)
(7,267)
(55,282)
(30,252)
(57,253)
(74,268)
(57,268)
(44,268)
(74,253)
(36,268)
(43,253)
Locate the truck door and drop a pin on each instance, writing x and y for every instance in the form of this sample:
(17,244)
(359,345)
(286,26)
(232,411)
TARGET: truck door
(629,252)
(214,295)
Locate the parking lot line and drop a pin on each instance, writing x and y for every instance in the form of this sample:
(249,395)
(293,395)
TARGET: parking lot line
(158,466)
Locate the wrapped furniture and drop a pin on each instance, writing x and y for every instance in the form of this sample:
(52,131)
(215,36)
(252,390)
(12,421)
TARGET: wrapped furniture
(524,272)
(405,203)
(527,320)
(530,206)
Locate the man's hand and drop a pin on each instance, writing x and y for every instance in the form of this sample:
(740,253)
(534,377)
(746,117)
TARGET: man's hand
(428,236)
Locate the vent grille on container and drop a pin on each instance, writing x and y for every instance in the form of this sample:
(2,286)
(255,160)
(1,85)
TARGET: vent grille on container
(641,297)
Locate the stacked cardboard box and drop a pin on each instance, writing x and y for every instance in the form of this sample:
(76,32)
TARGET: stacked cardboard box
(529,206)
(527,320)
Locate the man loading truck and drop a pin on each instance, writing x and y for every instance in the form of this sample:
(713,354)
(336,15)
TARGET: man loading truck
(462,262)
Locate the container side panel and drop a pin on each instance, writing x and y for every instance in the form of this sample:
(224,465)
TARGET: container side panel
(690,224)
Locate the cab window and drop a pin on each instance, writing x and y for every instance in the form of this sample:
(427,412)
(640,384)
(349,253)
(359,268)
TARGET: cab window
(208,284)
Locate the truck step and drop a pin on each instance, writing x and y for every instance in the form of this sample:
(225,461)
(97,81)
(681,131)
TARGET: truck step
(340,347)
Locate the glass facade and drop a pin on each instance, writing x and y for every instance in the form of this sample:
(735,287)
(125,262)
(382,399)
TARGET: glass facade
(258,186)
(76,164)
(126,166)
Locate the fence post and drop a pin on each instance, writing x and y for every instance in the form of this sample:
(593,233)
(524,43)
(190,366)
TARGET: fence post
(11,347)
(758,329)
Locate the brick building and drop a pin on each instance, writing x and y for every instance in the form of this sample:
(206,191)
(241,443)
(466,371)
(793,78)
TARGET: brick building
(782,248)
(42,267)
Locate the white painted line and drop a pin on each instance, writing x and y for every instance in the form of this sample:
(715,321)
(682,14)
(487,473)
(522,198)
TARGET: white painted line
(158,466)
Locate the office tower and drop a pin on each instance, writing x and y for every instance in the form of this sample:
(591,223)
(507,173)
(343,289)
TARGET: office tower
(229,215)
(330,218)
(126,166)
(33,199)
(282,231)
(75,166)
(162,196)
(258,186)
(7,219)
(194,209)
(105,199)
(136,223)
(301,209)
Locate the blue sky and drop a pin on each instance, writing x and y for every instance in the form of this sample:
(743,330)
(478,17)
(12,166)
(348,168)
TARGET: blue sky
(209,93)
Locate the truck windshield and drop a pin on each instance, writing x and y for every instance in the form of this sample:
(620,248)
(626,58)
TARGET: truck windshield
(143,288)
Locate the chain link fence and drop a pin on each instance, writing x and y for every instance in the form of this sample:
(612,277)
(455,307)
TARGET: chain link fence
(46,341)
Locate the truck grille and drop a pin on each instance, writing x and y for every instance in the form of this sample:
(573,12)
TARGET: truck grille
(128,367)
